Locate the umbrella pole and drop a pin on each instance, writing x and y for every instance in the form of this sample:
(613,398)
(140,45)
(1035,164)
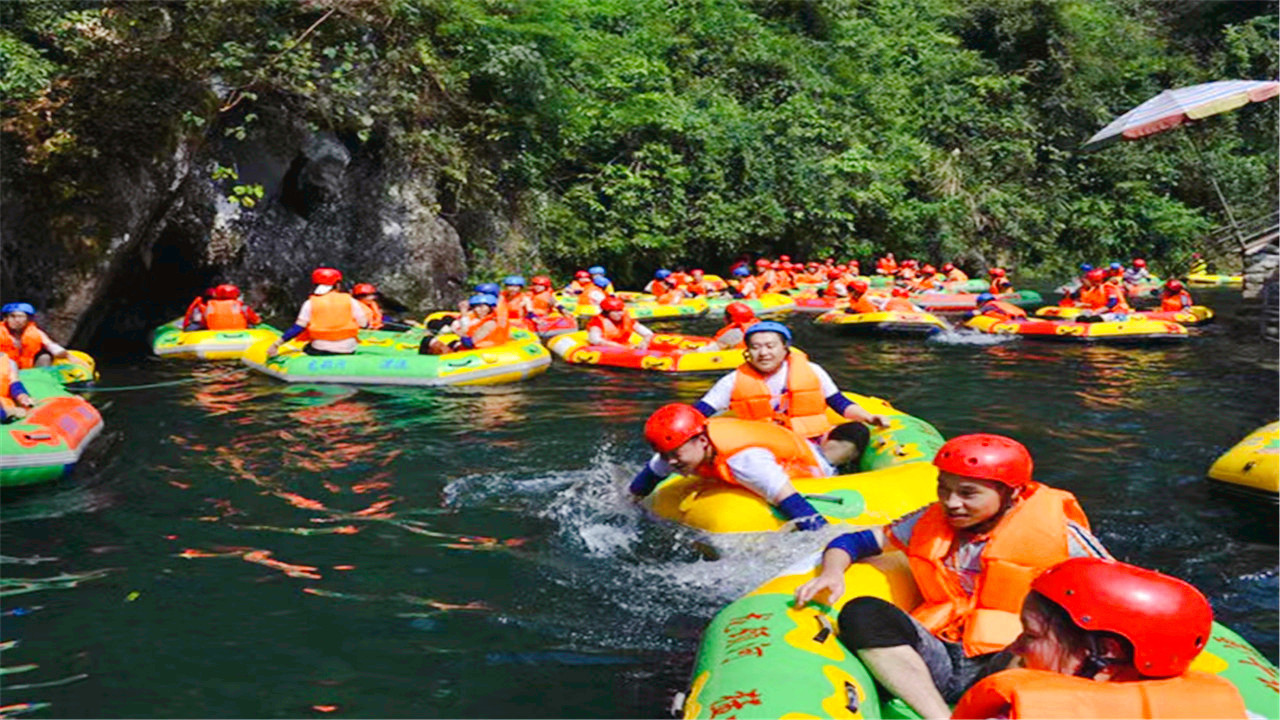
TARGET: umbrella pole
(1231,218)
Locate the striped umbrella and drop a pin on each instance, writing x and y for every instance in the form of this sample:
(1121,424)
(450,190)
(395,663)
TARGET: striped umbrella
(1172,108)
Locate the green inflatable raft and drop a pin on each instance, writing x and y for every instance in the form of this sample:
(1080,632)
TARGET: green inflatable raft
(47,443)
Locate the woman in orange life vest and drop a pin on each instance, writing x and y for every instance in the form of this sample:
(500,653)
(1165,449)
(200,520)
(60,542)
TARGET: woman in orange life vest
(190,319)
(927,280)
(747,287)
(886,265)
(973,554)
(780,384)
(514,304)
(614,326)
(737,318)
(367,294)
(1107,639)
(988,305)
(837,285)
(597,292)
(760,456)
(899,301)
(1000,283)
(1101,296)
(695,285)
(1173,297)
(658,285)
(225,311)
(859,303)
(14,398)
(25,343)
(479,325)
(542,302)
(954,274)
(580,283)
(664,293)
(331,318)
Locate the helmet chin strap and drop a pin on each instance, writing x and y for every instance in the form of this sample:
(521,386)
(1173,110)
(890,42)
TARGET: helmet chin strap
(1095,661)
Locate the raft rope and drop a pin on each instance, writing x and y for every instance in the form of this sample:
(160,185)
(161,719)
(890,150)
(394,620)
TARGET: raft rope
(147,386)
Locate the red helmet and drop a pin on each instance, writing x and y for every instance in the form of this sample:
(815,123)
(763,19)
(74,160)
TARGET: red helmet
(1096,276)
(1139,263)
(739,312)
(948,267)
(612,303)
(696,272)
(901,292)
(858,286)
(542,280)
(784,258)
(762,263)
(834,273)
(226,291)
(364,289)
(1167,620)
(928,269)
(996,272)
(842,267)
(582,275)
(775,265)
(986,457)
(671,426)
(325,276)
(1173,284)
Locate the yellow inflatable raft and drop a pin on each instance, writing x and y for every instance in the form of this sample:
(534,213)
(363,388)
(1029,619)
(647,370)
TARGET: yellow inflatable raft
(76,369)
(641,307)
(885,322)
(1253,465)
(171,341)
(1113,331)
(666,353)
(1194,315)
(1207,280)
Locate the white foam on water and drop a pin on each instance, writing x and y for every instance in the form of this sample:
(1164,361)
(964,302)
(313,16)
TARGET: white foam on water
(969,337)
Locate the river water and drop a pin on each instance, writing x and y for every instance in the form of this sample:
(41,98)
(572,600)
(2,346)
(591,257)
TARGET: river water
(237,547)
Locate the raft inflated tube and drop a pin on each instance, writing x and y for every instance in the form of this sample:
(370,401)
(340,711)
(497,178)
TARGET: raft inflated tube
(952,302)
(641,309)
(760,657)
(666,353)
(764,305)
(386,358)
(171,341)
(1194,315)
(1253,464)
(78,369)
(48,442)
(896,477)
(888,322)
(1115,331)
(1207,280)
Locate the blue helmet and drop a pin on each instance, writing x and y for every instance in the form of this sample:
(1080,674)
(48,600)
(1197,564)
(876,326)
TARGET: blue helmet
(488,289)
(1085,267)
(770,326)
(597,270)
(741,271)
(513,280)
(662,274)
(600,281)
(985,297)
(22,307)
(483,299)
(1116,266)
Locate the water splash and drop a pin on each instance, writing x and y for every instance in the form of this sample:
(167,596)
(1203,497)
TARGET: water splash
(964,336)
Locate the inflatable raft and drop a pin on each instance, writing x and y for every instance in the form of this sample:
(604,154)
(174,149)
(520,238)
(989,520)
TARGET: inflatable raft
(78,370)
(1207,280)
(1115,331)
(763,305)
(884,322)
(641,307)
(895,479)
(809,302)
(545,327)
(760,657)
(1194,315)
(390,358)
(47,443)
(957,302)
(169,340)
(666,353)
(1253,464)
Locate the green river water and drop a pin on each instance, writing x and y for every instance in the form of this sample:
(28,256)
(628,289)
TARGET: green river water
(237,547)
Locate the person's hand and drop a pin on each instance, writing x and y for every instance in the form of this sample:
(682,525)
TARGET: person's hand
(877,420)
(24,400)
(273,348)
(830,583)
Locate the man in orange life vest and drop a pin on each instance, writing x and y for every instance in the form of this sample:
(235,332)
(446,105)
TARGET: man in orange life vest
(973,554)
(837,284)
(542,302)
(581,281)
(479,325)
(331,318)
(760,456)
(748,285)
(737,318)
(778,383)
(988,305)
(999,281)
(1107,640)
(1101,296)
(224,311)
(859,303)
(14,399)
(514,304)
(614,326)
(1173,297)
(954,274)
(900,301)
(23,342)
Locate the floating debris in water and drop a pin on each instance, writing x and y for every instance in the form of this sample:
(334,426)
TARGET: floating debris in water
(18,586)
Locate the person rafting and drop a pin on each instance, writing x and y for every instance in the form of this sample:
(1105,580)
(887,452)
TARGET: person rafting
(973,555)
(658,285)
(1099,296)
(737,318)
(542,301)
(195,310)
(837,285)
(597,292)
(224,311)
(478,326)
(599,271)
(761,456)
(1106,639)
(887,265)
(614,326)
(367,294)
(899,301)
(514,303)
(991,306)
(747,286)
(1137,272)
(24,342)
(1174,297)
(1000,282)
(331,318)
(859,303)
(14,398)
(780,384)
(954,274)
(1197,266)
(580,283)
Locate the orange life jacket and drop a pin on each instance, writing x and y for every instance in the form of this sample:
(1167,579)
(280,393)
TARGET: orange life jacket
(1112,290)
(679,279)
(577,288)
(1175,303)
(696,287)
(1000,285)
(804,407)
(24,350)
(7,379)
(197,304)
(732,435)
(543,303)
(863,305)
(835,288)
(897,304)
(1030,538)
(226,315)
(614,332)
(672,297)
(885,266)
(926,282)
(957,275)
(1068,300)
(749,288)
(593,295)
(735,326)
(1002,310)
(332,317)
(656,287)
(1093,297)
(1024,693)
(500,333)
(375,313)
(907,273)
(515,307)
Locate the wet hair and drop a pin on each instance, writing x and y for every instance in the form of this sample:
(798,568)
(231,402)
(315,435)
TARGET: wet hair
(1075,639)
